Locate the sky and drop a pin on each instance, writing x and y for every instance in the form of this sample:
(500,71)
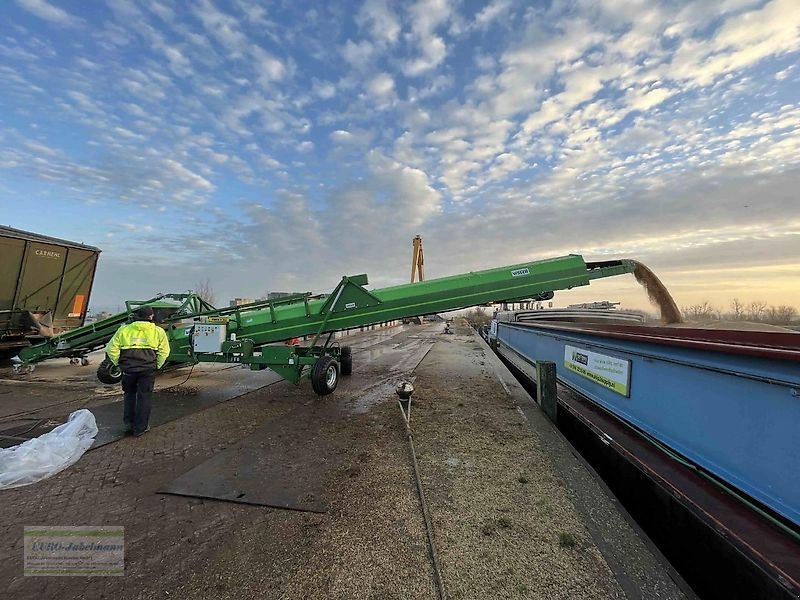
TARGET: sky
(280,145)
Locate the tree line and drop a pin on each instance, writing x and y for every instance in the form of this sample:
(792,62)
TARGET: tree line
(755,311)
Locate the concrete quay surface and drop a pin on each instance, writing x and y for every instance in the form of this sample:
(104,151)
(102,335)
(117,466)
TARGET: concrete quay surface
(515,514)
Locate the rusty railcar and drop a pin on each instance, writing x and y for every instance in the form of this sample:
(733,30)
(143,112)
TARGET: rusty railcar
(45,285)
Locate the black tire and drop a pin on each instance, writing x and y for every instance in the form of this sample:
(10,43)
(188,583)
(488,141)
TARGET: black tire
(346,360)
(325,375)
(107,373)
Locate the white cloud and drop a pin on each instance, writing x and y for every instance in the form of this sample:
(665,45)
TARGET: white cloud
(340,136)
(85,63)
(84,101)
(126,133)
(270,162)
(434,51)
(581,84)
(42,149)
(437,86)
(177,61)
(741,41)
(492,12)
(644,99)
(781,75)
(180,172)
(269,67)
(163,11)
(146,85)
(381,85)
(222,26)
(124,10)
(255,14)
(16,53)
(50,13)
(255,113)
(426,17)
(527,67)
(657,118)
(136,110)
(357,54)
(324,89)
(380,20)
(505,164)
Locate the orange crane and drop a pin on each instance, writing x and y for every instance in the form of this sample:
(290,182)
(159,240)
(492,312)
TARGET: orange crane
(417,269)
(417,261)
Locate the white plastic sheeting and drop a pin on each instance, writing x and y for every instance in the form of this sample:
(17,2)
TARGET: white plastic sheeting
(46,455)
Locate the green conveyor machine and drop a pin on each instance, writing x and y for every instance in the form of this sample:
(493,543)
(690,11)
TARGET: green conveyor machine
(254,334)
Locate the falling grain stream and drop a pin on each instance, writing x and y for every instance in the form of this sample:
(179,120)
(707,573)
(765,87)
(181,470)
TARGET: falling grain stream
(658,294)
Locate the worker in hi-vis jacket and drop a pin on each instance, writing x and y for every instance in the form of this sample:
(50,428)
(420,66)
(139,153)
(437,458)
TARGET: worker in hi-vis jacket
(139,349)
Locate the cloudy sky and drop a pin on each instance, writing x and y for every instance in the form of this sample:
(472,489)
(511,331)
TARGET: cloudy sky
(280,145)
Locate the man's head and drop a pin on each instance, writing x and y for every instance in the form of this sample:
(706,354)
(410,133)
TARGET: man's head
(145,313)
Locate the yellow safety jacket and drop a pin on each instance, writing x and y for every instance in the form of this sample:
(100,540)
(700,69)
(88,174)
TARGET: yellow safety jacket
(138,346)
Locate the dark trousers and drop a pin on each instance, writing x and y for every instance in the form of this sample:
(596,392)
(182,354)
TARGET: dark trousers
(138,389)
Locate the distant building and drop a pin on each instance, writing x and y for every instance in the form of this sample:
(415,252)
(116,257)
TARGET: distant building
(270,296)
(603,305)
(94,317)
(279,295)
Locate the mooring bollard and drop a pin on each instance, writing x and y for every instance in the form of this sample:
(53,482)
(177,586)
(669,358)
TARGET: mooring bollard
(546,392)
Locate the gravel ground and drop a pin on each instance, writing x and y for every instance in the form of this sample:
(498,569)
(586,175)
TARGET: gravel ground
(370,544)
(505,526)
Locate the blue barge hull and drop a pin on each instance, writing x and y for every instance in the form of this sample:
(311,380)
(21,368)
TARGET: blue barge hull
(727,401)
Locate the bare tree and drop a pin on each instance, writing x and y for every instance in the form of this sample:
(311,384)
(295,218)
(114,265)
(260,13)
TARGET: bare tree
(737,310)
(779,315)
(700,312)
(756,310)
(478,316)
(786,313)
(205,290)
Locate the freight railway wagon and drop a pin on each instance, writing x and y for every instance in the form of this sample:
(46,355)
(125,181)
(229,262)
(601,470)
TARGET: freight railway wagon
(44,287)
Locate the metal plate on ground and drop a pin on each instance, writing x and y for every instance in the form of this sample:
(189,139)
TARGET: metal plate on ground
(290,461)
(197,394)
(51,397)
(285,463)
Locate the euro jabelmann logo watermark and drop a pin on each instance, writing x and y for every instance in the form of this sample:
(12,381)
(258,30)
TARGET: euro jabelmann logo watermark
(76,551)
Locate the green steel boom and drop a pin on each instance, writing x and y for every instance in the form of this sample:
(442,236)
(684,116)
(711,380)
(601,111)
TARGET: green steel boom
(248,334)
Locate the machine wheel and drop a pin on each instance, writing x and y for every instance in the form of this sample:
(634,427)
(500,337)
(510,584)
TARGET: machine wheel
(325,375)
(108,373)
(84,361)
(346,360)
(20,369)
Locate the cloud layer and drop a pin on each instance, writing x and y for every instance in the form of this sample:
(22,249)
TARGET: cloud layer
(281,146)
